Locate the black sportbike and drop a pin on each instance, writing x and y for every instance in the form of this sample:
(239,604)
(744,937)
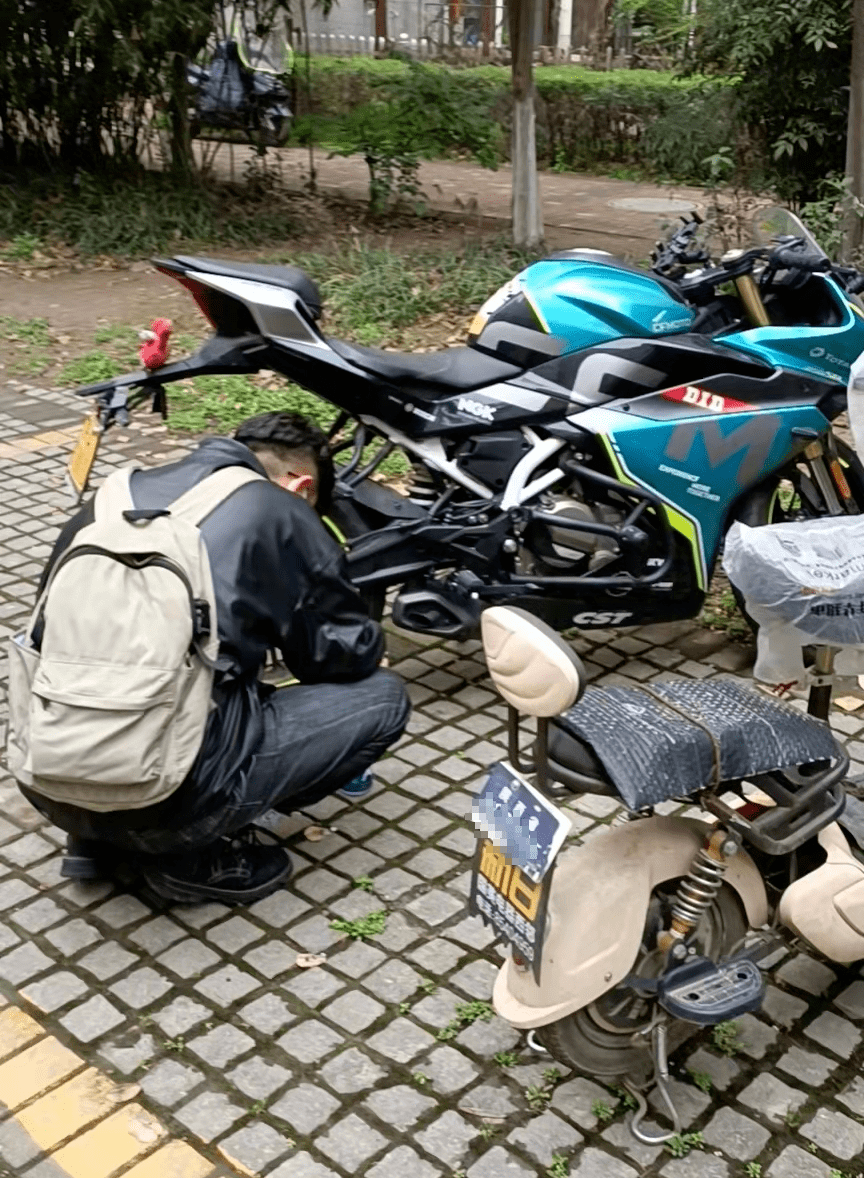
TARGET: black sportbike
(584,454)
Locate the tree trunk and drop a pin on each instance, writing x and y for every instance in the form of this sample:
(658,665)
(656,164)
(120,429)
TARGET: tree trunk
(526,211)
(182,163)
(854,227)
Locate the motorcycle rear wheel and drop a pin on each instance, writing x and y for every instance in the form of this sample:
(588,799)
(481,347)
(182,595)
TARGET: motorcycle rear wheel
(598,1040)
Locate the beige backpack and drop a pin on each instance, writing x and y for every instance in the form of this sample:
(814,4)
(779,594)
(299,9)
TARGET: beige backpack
(109,712)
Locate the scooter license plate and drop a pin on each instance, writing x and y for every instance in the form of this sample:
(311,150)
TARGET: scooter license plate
(83,456)
(520,833)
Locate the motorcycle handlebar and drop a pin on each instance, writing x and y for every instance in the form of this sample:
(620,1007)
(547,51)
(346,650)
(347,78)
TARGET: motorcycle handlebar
(796,257)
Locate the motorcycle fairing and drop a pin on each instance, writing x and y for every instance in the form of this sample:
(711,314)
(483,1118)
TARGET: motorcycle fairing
(691,460)
(586,953)
(822,350)
(826,906)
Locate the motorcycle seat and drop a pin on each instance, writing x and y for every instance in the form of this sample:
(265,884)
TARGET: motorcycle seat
(285,277)
(453,369)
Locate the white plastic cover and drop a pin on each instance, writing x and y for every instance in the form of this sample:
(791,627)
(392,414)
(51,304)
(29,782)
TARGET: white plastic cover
(803,583)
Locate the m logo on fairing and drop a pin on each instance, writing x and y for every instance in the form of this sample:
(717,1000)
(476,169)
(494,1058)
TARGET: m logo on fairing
(753,441)
(476,409)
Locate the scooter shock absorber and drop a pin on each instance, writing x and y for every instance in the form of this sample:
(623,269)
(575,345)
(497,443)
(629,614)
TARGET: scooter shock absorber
(699,887)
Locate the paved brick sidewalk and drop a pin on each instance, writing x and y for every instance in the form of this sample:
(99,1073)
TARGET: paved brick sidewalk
(207,1031)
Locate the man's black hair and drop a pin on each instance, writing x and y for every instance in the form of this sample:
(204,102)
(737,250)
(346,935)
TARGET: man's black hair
(285,434)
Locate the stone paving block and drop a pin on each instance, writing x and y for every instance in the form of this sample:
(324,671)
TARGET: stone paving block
(8,938)
(92,1018)
(696,1165)
(805,973)
(170,1081)
(487,1039)
(313,986)
(266,1014)
(398,934)
(39,915)
(720,1069)
(303,1165)
(492,1100)
(259,1079)
(72,936)
(315,935)
(837,1034)
(121,911)
(55,990)
(219,1046)
(181,1015)
(355,905)
(209,1115)
(392,884)
(544,1136)
(390,844)
(254,1147)
(399,1106)
(476,979)
(66,1110)
(472,933)
(358,959)
(233,934)
(321,885)
(129,1051)
(447,1138)
(393,981)
(853,1096)
(836,1133)
(351,1143)
(16,1147)
(596,1163)
(435,907)
(737,1136)
(436,1010)
(305,1107)
(755,1037)
(805,1066)
(449,1070)
(309,1042)
(352,1071)
(279,910)
(29,849)
(401,1041)
(402,1162)
(106,961)
(188,958)
(618,1135)
(270,959)
(227,985)
(794,1162)
(14,891)
(781,1007)
(499,1163)
(354,1011)
(438,955)
(23,963)
(851,1000)
(141,988)
(690,1101)
(771,1098)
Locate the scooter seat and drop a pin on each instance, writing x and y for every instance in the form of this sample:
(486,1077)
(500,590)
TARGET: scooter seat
(285,277)
(681,736)
(453,369)
(573,763)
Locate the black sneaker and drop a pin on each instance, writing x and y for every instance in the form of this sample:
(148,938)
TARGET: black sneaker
(233,871)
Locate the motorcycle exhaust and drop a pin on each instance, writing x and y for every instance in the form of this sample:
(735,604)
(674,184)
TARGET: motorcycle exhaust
(438,610)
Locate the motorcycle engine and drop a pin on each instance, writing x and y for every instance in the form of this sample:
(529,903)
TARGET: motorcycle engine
(546,548)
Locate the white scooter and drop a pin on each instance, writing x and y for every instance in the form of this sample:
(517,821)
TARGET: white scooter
(624,946)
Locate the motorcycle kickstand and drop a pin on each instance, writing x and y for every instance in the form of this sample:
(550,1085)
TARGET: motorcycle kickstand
(661,1075)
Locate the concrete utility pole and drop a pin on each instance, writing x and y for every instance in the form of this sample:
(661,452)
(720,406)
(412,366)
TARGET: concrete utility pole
(854,229)
(526,211)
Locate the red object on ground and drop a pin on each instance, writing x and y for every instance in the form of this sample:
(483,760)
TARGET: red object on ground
(154,352)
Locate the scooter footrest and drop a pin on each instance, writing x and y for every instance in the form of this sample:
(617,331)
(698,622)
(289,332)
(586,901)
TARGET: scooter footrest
(701,991)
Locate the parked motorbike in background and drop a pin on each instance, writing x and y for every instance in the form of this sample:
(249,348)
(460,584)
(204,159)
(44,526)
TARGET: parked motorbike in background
(622,948)
(242,88)
(584,454)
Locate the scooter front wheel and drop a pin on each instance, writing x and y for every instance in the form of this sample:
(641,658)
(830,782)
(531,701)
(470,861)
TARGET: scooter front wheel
(609,1037)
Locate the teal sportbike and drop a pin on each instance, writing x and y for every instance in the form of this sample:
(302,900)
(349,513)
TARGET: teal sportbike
(585,452)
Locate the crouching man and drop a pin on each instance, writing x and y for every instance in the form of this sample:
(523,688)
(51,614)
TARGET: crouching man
(144,743)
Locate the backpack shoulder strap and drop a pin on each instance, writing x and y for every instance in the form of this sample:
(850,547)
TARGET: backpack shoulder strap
(114,496)
(197,503)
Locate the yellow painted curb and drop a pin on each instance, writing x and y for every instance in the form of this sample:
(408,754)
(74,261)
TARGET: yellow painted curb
(89,1126)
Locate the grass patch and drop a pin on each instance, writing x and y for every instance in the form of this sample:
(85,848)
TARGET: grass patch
(30,341)
(721,612)
(363,928)
(21,248)
(89,369)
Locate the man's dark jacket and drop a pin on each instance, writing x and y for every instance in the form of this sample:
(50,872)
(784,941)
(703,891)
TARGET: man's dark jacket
(280,584)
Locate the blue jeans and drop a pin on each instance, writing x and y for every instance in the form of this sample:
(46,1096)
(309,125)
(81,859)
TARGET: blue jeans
(316,738)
